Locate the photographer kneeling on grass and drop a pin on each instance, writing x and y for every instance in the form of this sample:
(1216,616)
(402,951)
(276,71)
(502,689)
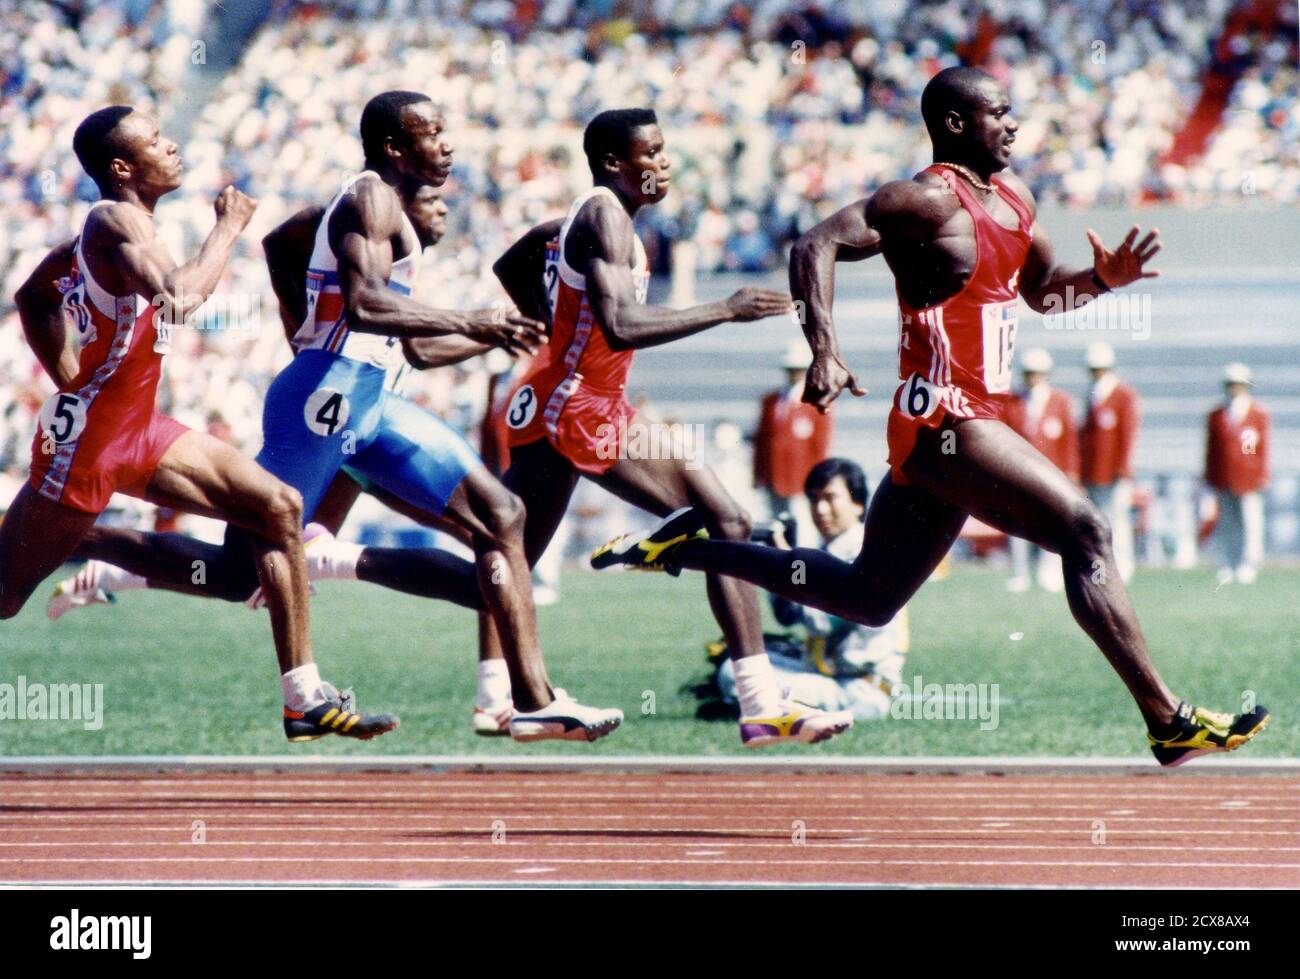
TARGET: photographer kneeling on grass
(841,665)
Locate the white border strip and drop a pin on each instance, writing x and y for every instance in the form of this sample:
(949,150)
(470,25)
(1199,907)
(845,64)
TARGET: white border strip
(717,764)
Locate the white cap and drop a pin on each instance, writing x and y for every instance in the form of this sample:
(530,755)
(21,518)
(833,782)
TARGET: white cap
(1236,373)
(1036,360)
(1099,356)
(797,356)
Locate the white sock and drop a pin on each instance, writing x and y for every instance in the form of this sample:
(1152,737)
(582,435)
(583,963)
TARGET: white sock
(302,689)
(756,687)
(111,578)
(493,691)
(333,560)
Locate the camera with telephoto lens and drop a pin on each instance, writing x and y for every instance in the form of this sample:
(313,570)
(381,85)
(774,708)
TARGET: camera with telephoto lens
(766,533)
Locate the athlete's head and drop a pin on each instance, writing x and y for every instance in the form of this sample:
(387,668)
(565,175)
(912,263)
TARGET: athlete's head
(120,148)
(625,151)
(837,493)
(428,213)
(402,132)
(968,116)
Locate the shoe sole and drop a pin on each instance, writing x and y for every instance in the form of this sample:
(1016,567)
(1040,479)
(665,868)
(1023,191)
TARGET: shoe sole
(586,732)
(817,736)
(1235,741)
(299,738)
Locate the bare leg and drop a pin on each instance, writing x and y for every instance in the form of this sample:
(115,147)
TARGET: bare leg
(201,474)
(907,534)
(544,480)
(493,518)
(1001,479)
(337,502)
(172,562)
(663,485)
(36,536)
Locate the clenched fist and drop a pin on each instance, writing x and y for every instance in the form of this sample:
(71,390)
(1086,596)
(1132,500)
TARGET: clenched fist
(235,207)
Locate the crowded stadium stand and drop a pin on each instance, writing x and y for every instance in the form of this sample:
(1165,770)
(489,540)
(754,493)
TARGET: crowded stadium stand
(776,113)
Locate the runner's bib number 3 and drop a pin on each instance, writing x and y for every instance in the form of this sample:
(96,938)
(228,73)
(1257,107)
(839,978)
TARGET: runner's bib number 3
(523,406)
(1000,321)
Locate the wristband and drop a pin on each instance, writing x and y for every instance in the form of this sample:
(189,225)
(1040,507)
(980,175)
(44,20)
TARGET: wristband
(1096,281)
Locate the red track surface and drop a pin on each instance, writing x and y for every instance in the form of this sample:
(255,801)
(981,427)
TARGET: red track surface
(421,828)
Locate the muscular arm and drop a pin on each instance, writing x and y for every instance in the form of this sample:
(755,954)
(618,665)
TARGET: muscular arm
(602,234)
(139,262)
(424,353)
(1049,287)
(288,251)
(522,268)
(40,309)
(845,236)
(361,232)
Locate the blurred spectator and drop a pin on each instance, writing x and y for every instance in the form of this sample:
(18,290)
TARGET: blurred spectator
(841,665)
(792,436)
(776,114)
(1106,444)
(1044,416)
(1236,468)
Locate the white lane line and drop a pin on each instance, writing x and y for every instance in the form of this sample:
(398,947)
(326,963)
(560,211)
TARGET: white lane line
(716,787)
(432,819)
(1082,844)
(269,801)
(226,828)
(316,858)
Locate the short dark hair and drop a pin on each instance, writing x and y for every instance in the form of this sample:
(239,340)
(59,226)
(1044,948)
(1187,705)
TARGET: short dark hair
(96,144)
(855,480)
(381,120)
(953,88)
(611,132)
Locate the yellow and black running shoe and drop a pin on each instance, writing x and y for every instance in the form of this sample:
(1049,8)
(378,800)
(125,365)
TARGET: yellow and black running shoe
(336,716)
(1200,731)
(652,551)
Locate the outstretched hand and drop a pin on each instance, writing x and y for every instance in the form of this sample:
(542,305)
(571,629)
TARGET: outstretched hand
(1125,263)
(826,378)
(508,329)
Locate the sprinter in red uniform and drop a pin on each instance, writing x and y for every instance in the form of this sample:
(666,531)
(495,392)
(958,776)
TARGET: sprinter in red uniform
(569,418)
(963,245)
(100,433)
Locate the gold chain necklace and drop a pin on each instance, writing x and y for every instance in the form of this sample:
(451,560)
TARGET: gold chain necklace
(968,174)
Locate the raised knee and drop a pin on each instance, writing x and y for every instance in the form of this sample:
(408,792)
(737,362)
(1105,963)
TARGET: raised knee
(505,517)
(283,509)
(865,611)
(1089,530)
(732,523)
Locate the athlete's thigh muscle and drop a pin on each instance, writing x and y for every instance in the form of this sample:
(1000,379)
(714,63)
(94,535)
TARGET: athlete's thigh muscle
(908,531)
(36,536)
(993,473)
(544,481)
(203,475)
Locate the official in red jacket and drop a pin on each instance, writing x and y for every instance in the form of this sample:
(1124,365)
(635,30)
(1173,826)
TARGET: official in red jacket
(1236,468)
(792,437)
(1044,416)
(1106,444)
